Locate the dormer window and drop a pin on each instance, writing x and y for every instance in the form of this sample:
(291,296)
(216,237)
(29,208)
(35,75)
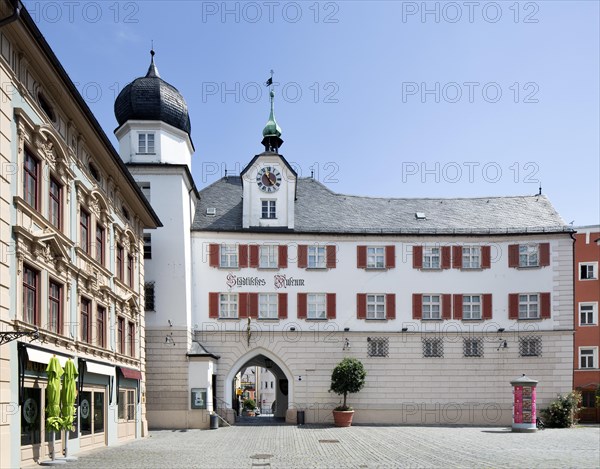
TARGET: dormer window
(269,209)
(146,144)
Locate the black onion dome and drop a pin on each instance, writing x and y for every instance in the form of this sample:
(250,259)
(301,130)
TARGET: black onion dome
(150,98)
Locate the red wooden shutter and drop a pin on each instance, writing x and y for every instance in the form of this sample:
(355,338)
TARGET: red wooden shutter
(361,306)
(282,306)
(544,254)
(447,306)
(458,306)
(390,257)
(213,305)
(361,257)
(513,306)
(213,255)
(243,305)
(445,257)
(283,256)
(545,305)
(301,313)
(487,306)
(417,305)
(417,257)
(254,255)
(513,255)
(331,256)
(486,257)
(457,257)
(331,306)
(243,253)
(302,256)
(390,306)
(253,305)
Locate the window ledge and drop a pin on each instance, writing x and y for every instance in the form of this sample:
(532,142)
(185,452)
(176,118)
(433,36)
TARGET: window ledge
(316,319)
(316,268)
(228,319)
(268,268)
(528,267)
(377,320)
(472,269)
(531,319)
(472,320)
(376,268)
(587,279)
(431,269)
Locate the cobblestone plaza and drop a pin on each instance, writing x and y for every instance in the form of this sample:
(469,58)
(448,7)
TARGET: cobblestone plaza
(311,446)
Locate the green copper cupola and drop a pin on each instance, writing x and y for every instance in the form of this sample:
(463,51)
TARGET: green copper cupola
(272,132)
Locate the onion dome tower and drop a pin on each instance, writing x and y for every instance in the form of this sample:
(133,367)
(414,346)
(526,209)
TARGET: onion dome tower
(151,114)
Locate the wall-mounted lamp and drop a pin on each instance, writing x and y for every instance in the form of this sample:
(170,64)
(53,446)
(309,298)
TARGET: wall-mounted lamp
(268,363)
(169,339)
(292,329)
(346,329)
(501,329)
(405,329)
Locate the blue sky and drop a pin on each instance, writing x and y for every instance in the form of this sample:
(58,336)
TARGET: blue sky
(391,99)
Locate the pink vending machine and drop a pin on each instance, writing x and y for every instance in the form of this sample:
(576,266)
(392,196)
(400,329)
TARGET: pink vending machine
(524,408)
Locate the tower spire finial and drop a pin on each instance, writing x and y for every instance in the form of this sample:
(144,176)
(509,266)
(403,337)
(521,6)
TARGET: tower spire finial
(152,70)
(272,132)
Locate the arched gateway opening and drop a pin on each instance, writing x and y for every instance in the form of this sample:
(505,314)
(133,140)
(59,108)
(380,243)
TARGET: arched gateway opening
(261,376)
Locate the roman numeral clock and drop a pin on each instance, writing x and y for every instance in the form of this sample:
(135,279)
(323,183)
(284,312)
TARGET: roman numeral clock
(268,179)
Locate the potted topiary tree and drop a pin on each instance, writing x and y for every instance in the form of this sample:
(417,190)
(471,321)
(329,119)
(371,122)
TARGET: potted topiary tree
(249,407)
(347,377)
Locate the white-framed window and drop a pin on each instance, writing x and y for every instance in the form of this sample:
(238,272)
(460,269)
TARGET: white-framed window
(529,306)
(471,306)
(127,405)
(588,314)
(268,256)
(431,258)
(529,255)
(268,209)
(375,257)
(228,305)
(267,306)
(588,357)
(377,346)
(375,306)
(473,347)
(530,346)
(471,257)
(316,306)
(588,270)
(146,143)
(432,307)
(228,255)
(316,257)
(433,347)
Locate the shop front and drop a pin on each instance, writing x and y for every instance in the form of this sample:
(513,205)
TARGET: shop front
(108,404)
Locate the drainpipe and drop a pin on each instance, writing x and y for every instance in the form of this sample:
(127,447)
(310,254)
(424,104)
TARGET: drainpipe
(15,14)
(574,297)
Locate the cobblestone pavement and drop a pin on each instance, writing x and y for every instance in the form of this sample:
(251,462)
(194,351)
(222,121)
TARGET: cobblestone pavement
(311,446)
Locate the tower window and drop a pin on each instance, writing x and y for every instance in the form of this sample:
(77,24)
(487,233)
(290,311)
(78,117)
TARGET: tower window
(146,143)
(145,188)
(269,209)
(147,246)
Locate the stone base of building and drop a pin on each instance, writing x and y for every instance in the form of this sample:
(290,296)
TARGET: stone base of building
(178,419)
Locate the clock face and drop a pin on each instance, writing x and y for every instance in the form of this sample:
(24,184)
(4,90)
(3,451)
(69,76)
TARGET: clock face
(268,179)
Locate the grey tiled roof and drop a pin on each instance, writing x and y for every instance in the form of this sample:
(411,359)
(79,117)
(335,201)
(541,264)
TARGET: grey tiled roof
(319,210)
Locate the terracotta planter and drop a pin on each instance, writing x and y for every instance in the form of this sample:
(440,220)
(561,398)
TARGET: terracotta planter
(343,418)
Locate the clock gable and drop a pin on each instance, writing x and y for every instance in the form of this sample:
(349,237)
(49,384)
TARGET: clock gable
(269,192)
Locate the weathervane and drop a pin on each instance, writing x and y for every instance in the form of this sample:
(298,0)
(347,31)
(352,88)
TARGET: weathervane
(269,82)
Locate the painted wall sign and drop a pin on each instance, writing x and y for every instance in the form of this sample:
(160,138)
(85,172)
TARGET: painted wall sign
(279,281)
